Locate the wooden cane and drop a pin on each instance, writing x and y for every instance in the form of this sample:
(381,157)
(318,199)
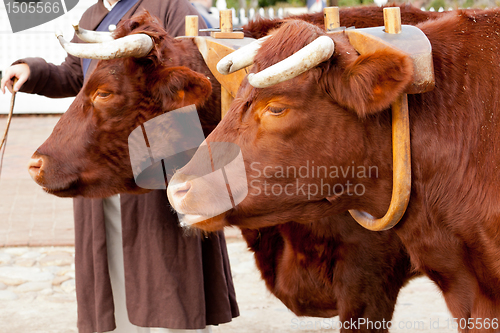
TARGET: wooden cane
(9,118)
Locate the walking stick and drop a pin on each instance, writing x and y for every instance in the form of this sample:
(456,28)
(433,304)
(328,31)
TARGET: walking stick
(3,144)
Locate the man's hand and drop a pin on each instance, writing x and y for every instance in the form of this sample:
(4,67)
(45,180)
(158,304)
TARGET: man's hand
(21,71)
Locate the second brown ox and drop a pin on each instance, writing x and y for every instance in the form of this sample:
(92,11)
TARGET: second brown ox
(337,114)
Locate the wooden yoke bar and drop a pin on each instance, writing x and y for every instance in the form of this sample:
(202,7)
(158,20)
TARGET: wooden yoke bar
(332,19)
(412,41)
(226,26)
(392,20)
(191,25)
(226,20)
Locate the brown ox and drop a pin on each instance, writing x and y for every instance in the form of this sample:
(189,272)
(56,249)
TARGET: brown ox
(337,115)
(314,269)
(87,153)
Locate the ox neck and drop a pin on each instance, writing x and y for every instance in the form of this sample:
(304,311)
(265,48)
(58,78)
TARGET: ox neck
(377,133)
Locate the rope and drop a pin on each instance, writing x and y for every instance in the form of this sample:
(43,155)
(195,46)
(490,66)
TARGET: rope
(3,144)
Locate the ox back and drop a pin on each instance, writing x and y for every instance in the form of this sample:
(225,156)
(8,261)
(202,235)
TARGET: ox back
(452,226)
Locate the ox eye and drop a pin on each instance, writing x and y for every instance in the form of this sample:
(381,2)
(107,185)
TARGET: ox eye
(275,110)
(102,94)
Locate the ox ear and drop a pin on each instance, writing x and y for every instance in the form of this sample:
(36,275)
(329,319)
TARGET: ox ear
(371,82)
(181,86)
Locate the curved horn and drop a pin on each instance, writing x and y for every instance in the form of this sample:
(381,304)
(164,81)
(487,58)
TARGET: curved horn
(89,36)
(301,61)
(241,58)
(137,46)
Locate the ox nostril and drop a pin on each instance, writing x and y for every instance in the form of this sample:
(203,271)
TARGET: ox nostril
(180,190)
(34,167)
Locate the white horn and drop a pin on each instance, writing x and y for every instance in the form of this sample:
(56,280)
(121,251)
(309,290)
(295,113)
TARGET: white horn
(301,61)
(90,36)
(241,58)
(137,46)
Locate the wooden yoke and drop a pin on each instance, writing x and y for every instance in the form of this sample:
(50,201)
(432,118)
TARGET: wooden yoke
(412,41)
(216,47)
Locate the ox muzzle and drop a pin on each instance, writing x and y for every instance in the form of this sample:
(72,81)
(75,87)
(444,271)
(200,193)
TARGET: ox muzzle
(212,183)
(48,174)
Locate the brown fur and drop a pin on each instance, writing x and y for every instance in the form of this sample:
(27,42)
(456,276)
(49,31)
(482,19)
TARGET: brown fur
(322,269)
(331,267)
(451,228)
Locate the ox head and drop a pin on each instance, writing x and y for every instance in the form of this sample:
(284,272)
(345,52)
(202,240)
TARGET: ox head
(87,153)
(315,139)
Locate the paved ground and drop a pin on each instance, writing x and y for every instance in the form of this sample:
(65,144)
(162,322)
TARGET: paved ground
(29,216)
(37,290)
(37,272)
(37,295)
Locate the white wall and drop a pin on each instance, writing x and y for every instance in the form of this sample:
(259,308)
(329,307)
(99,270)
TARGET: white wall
(39,41)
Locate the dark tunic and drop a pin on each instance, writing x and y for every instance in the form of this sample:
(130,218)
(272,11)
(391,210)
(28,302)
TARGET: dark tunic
(173,279)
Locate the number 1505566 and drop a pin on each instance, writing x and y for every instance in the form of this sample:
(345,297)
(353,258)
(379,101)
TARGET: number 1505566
(473,323)
(32,7)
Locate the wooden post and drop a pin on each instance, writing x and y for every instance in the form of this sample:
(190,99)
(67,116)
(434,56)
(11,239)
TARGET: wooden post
(226,31)
(226,26)
(392,20)
(226,20)
(332,19)
(191,25)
